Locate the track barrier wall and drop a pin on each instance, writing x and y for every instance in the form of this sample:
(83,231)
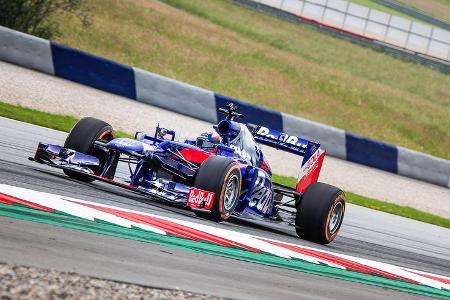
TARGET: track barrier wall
(174,95)
(370,23)
(399,52)
(414,12)
(107,75)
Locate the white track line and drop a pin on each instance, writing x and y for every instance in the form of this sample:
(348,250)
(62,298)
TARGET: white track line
(56,202)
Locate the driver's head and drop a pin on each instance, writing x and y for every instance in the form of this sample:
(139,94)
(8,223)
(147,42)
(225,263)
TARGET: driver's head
(208,139)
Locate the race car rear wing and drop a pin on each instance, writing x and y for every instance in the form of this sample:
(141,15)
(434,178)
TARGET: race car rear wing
(279,140)
(312,154)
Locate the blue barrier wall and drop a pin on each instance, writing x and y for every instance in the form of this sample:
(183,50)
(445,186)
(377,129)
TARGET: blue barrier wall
(252,113)
(95,71)
(372,153)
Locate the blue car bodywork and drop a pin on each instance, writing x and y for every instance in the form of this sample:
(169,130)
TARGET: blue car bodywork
(164,168)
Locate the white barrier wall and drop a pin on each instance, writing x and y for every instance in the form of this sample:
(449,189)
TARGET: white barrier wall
(398,31)
(174,95)
(419,165)
(332,139)
(25,50)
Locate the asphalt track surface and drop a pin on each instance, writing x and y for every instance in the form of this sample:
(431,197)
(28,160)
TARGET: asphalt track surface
(365,233)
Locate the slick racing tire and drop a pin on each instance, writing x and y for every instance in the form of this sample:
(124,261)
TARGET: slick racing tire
(320,212)
(82,137)
(222,176)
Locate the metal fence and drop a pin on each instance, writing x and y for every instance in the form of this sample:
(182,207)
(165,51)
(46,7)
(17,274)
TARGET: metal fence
(398,31)
(416,13)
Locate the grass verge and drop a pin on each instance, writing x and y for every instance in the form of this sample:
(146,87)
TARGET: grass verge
(44,119)
(65,123)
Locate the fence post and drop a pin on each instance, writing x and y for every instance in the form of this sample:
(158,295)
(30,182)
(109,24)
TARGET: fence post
(387,28)
(409,33)
(429,40)
(345,15)
(303,7)
(281,5)
(324,10)
(367,21)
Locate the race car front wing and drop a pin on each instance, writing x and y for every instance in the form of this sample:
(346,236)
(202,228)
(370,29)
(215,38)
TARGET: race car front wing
(63,158)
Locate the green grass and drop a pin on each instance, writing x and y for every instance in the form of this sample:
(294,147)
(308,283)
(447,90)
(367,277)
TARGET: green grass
(65,123)
(44,119)
(395,209)
(245,54)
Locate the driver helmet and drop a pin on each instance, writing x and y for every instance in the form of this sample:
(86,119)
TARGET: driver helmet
(208,139)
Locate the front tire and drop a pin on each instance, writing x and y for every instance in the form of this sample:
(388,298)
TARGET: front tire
(320,212)
(81,139)
(222,176)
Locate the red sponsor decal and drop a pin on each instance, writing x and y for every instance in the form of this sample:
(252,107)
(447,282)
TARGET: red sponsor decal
(202,199)
(195,156)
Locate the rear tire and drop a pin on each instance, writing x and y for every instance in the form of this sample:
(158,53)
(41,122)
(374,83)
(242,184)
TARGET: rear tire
(222,176)
(81,139)
(320,212)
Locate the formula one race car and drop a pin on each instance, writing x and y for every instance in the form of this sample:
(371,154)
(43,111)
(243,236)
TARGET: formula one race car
(219,174)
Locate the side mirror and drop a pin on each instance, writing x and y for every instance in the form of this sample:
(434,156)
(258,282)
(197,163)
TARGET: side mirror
(161,132)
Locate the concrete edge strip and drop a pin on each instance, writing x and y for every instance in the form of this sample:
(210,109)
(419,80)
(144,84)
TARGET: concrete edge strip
(110,76)
(326,263)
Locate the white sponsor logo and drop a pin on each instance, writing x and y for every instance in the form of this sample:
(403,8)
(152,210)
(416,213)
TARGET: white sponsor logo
(288,139)
(311,164)
(237,150)
(262,195)
(148,148)
(126,142)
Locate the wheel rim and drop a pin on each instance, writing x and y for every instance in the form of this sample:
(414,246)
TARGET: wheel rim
(336,217)
(231,192)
